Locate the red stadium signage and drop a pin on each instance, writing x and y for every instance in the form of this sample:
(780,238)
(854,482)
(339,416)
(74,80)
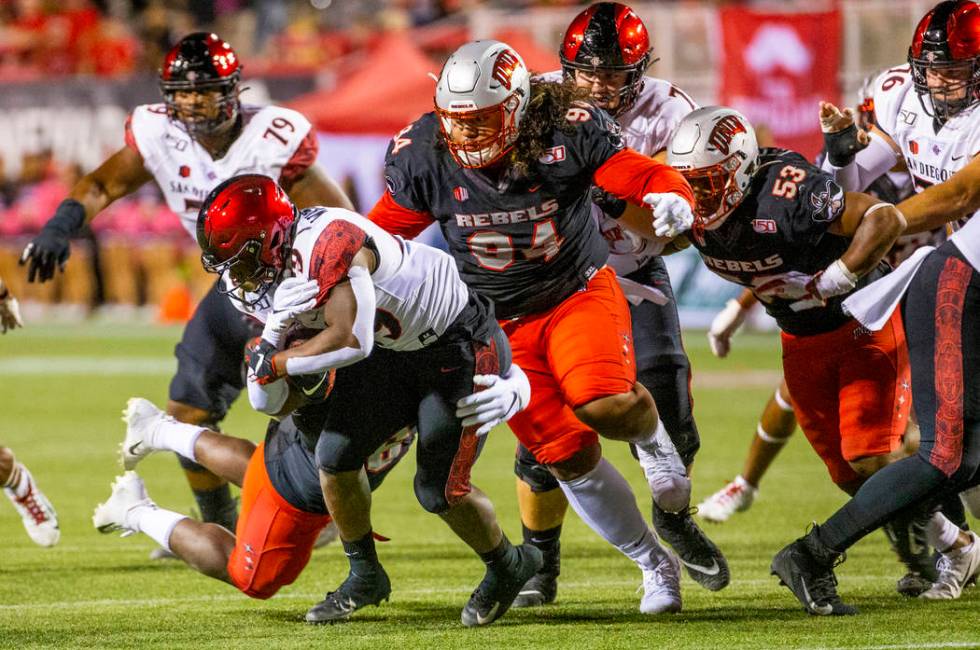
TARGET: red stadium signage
(777,67)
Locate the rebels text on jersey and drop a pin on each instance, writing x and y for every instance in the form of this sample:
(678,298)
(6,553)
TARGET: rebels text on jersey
(526,242)
(274,141)
(782,226)
(931,155)
(417,288)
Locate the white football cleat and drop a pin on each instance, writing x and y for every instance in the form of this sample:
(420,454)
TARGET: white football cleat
(128,492)
(957,569)
(737,496)
(665,473)
(36,512)
(662,586)
(141,417)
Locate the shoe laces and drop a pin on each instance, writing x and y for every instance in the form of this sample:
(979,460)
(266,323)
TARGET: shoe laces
(945,568)
(730,493)
(33,507)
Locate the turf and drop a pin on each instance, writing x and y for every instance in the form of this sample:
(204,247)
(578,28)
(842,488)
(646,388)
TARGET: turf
(62,389)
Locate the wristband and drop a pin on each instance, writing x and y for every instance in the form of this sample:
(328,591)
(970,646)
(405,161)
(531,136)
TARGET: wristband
(842,146)
(835,280)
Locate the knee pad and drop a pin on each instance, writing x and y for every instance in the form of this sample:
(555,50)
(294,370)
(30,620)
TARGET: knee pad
(530,471)
(333,455)
(432,497)
(671,492)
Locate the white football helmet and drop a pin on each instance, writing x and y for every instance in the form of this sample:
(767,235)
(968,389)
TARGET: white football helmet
(481,96)
(716,150)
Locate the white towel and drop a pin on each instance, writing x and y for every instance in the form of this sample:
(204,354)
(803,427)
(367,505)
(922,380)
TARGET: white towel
(637,293)
(873,305)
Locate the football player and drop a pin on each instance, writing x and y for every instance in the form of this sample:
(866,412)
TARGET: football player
(413,344)
(926,113)
(282,505)
(199,136)
(36,512)
(605,51)
(506,167)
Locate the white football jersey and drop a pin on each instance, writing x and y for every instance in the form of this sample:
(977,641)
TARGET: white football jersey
(931,157)
(275,141)
(647,128)
(417,288)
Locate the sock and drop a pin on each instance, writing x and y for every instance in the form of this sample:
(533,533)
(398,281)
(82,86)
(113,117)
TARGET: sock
(362,555)
(217,506)
(941,532)
(18,482)
(889,491)
(154,522)
(549,543)
(650,440)
(741,482)
(176,436)
(503,556)
(602,498)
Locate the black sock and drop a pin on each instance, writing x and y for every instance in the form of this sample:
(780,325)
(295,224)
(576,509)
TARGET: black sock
(885,494)
(362,555)
(503,556)
(549,543)
(217,506)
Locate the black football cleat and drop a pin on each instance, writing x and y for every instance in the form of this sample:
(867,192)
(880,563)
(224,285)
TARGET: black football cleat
(496,593)
(912,584)
(907,538)
(806,567)
(705,562)
(542,588)
(353,594)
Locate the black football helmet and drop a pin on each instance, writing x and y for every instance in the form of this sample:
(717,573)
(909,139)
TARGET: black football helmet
(202,62)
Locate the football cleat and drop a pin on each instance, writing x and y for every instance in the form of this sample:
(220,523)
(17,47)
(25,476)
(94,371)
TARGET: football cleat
(705,562)
(907,537)
(957,569)
(665,472)
(806,568)
(737,496)
(912,584)
(542,588)
(662,586)
(354,593)
(128,492)
(499,588)
(36,512)
(327,536)
(141,417)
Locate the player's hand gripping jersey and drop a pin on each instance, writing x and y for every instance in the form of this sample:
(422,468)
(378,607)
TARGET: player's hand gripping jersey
(525,241)
(418,292)
(780,229)
(275,142)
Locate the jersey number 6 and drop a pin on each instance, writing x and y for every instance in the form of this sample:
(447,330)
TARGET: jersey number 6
(495,250)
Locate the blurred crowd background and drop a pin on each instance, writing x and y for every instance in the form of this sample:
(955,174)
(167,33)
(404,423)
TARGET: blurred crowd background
(70,71)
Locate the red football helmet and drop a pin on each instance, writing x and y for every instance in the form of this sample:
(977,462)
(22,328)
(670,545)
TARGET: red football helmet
(201,63)
(946,48)
(608,37)
(245,227)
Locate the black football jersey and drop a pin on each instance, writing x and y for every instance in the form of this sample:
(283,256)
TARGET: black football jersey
(782,226)
(525,241)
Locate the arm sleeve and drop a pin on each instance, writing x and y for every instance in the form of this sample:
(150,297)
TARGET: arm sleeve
(630,175)
(399,220)
(268,398)
(301,160)
(869,163)
(333,254)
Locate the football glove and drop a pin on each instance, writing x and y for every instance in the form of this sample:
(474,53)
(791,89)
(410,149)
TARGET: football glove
(672,215)
(260,357)
(501,398)
(50,248)
(723,328)
(293,297)
(9,311)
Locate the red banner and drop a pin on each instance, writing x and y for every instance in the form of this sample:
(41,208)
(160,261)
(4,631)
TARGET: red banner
(777,67)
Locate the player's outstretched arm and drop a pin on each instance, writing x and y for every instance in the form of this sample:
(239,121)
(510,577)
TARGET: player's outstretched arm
(118,176)
(855,158)
(957,197)
(315,188)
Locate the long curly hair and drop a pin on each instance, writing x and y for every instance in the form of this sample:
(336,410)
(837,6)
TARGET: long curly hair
(546,111)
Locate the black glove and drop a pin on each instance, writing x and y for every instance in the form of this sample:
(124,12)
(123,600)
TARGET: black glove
(50,248)
(260,359)
(842,146)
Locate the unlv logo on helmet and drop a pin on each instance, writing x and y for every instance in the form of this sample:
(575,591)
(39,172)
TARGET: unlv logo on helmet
(723,132)
(503,68)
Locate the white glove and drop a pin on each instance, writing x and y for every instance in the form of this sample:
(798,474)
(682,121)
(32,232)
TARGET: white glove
(723,328)
(671,214)
(9,311)
(788,286)
(499,401)
(293,297)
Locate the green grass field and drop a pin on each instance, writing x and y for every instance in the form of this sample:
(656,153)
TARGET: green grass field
(61,392)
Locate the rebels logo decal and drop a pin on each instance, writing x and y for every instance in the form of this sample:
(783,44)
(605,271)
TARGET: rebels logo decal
(503,68)
(723,132)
